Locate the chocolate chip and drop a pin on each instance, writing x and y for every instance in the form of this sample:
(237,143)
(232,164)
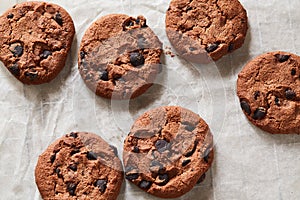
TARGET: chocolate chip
(212,47)
(17,51)
(156,166)
(14,69)
(137,59)
(91,155)
(293,72)
(185,162)
(282,58)
(45,54)
(277,101)
(256,94)
(136,149)
(58,19)
(164,178)
(74,135)
(32,75)
(201,179)
(52,158)
(104,76)
(230,47)
(161,145)
(73,167)
(145,184)
(132,176)
(188,8)
(137,21)
(71,187)
(10,16)
(189,127)
(82,54)
(74,151)
(101,184)
(127,24)
(57,171)
(115,150)
(290,94)
(246,107)
(190,153)
(192,48)
(259,113)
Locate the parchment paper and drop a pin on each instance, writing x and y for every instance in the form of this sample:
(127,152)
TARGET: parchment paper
(249,163)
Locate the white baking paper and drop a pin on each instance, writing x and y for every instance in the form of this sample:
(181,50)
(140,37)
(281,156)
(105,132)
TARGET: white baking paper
(249,163)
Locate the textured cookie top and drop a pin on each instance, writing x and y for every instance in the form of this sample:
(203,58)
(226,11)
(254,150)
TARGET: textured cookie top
(119,56)
(167,151)
(35,38)
(200,27)
(79,166)
(269,92)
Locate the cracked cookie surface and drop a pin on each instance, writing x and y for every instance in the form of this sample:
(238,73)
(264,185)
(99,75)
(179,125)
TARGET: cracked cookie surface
(168,151)
(119,56)
(204,29)
(269,91)
(79,165)
(35,38)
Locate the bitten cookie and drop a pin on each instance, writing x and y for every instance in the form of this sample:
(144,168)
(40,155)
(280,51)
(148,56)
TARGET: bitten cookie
(168,151)
(79,166)
(269,91)
(201,29)
(119,56)
(35,38)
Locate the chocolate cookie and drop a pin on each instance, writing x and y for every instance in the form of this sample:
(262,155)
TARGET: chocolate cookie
(201,29)
(119,56)
(35,38)
(79,166)
(168,151)
(269,92)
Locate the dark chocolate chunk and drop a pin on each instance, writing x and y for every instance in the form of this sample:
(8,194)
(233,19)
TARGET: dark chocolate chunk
(259,113)
(185,162)
(161,145)
(91,155)
(104,76)
(190,153)
(74,151)
(189,127)
(156,166)
(164,178)
(52,158)
(282,58)
(127,24)
(14,69)
(206,154)
(188,8)
(45,54)
(192,48)
(71,187)
(212,47)
(57,171)
(132,176)
(10,16)
(73,167)
(201,179)
(145,184)
(256,94)
(290,94)
(32,75)
(293,72)
(82,54)
(74,135)
(58,19)
(17,51)
(101,184)
(277,101)
(137,59)
(136,149)
(137,21)
(246,107)
(115,150)
(230,47)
